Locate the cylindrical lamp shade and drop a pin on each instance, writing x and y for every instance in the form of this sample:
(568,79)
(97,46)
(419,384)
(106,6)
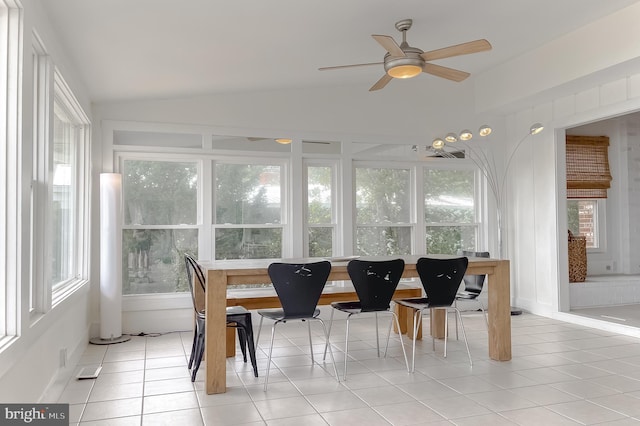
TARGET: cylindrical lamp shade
(111,258)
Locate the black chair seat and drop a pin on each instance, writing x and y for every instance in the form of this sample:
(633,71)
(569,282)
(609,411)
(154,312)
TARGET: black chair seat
(415,303)
(466,295)
(279,315)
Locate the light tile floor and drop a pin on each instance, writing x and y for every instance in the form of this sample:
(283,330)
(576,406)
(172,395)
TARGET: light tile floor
(560,374)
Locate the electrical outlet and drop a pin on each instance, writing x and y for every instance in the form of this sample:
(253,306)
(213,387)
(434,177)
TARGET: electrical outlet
(63,357)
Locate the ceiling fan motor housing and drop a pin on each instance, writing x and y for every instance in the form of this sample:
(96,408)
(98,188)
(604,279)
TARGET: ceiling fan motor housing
(412,58)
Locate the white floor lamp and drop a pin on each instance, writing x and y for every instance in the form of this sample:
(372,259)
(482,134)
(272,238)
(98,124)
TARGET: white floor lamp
(110,260)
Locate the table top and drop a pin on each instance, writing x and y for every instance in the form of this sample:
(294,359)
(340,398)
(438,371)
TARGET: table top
(247,264)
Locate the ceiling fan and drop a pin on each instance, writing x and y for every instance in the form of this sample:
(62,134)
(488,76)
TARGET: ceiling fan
(404,61)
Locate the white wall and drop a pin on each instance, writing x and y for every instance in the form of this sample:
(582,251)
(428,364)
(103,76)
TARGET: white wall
(30,366)
(588,75)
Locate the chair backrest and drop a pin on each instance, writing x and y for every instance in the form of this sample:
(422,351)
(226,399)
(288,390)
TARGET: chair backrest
(197,291)
(441,278)
(375,282)
(299,286)
(474,283)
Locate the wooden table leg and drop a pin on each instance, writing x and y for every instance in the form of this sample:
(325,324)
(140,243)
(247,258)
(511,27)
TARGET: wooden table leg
(437,317)
(499,311)
(410,316)
(216,330)
(402,313)
(231,342)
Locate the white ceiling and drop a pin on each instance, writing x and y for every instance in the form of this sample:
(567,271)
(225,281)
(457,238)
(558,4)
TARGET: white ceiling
(146,49)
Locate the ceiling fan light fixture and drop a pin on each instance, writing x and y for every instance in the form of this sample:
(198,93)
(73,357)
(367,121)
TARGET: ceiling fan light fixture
(283,141)
(484,130)
(437,143)
(404,71)
(465,135)
(451,138)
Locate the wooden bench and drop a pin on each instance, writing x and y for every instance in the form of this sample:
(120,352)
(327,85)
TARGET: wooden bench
(264,298)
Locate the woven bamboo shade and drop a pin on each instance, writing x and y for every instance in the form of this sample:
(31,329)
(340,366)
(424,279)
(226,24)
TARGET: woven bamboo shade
(588,174)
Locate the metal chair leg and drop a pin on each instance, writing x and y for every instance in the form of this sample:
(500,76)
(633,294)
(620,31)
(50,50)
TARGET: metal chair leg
(273,333)
(464,335)
(324,356)
(310,343)
(335,369)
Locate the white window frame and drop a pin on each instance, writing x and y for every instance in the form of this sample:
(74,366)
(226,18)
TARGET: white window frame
(412,224)
(479,197)
(335,196)
(11,26)
(198,226)
(600,223)
(285,199)
(81,134)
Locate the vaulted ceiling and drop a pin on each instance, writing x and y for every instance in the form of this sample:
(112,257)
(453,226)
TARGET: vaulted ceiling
(151,49)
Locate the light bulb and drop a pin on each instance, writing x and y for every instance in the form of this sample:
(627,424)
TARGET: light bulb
(283,141)
(484,130)
(437,143)
(451,137)
(536,128)
(465,135)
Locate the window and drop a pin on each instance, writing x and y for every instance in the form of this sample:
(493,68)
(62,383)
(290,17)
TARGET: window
(583,218)
(320,211)
(41,109)
(449,210)
(588,178)
(383,211)
(10,101)
(160,224)
(68,201)
(248,211)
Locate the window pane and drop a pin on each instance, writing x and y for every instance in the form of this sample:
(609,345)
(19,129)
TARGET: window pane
(582,220)
(383,240)
(247,194)
(153,259)
(449,196)
(248,243)
(319,194)
(450,239)
(320,242)
(64,197)
(160,192)
(382,195)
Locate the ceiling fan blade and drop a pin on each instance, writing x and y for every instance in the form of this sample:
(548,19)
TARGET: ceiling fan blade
(445,72)
(459,49)
(349,66)
(389,45)
(381,83)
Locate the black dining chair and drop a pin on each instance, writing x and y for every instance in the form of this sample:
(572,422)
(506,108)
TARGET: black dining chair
(237,317)
(473,285)
(374,282)
(441,279)
(298,286)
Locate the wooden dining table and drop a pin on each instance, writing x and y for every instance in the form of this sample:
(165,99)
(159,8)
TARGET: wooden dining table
(220,274)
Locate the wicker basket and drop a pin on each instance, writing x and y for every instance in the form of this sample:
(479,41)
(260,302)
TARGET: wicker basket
(577,258)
